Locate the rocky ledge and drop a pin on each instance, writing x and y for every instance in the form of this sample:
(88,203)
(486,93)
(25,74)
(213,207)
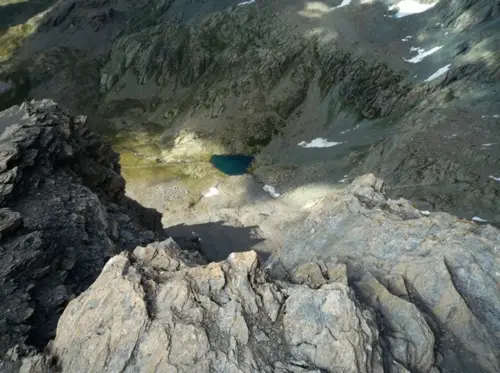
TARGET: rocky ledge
(63,213)
(377,286)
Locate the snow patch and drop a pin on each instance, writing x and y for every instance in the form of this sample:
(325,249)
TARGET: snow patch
(438,73)
(246,2)
(479,220)
(422,53)
(272,192)
(425,212)
(495,178)
(318,143)
(493,116)
(213,191)
(344,3)
(408,7)
(407,38)
(488,144)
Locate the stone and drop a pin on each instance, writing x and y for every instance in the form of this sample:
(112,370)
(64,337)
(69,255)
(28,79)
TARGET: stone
(433,280)
(310,274)
(53,217)
(166,327)
(410,338)
(9,221)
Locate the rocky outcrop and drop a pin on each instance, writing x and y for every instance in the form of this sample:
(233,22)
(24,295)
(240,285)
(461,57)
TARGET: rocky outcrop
(431,278)
(365,284)
(163,314)
(63,213)
(377,287)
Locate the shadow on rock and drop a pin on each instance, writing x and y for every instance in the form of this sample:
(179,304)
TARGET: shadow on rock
(216,240)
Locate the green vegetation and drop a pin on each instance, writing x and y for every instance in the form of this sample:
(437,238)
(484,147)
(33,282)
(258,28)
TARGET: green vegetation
(12,39)
(9,2)
(142,161)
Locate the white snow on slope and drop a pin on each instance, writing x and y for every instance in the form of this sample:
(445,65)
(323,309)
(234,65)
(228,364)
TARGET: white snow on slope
(318,143)
(438,73)
(425,212)
(344,3)
(409,7)
(246,2)
(213,191)
(272,192)
(422,53)
(495,178)
(479,220)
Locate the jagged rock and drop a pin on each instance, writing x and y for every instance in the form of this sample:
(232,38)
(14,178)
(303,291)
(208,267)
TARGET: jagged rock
(145,315)
(385,293)
(433,280)
(409,337)
(59,187)
(256,78)
(9,221)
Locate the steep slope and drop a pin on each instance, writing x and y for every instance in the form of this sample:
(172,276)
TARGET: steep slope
(390,290)
(173,81)
(63,214)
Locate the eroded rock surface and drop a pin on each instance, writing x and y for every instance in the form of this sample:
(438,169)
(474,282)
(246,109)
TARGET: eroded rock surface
(379,287)
(63,213)
(168,316)
(433,279)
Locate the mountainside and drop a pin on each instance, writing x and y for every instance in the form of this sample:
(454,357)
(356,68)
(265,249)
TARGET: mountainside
(363,238)
(419,294)
(63,214)
(412,98)
(363,284)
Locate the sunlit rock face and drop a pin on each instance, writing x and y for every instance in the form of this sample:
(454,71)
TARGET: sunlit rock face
(378,282)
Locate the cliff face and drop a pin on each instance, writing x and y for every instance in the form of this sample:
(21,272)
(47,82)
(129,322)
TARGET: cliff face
(63,213)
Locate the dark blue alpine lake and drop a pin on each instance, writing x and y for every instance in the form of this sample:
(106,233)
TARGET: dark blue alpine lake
(232,164)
